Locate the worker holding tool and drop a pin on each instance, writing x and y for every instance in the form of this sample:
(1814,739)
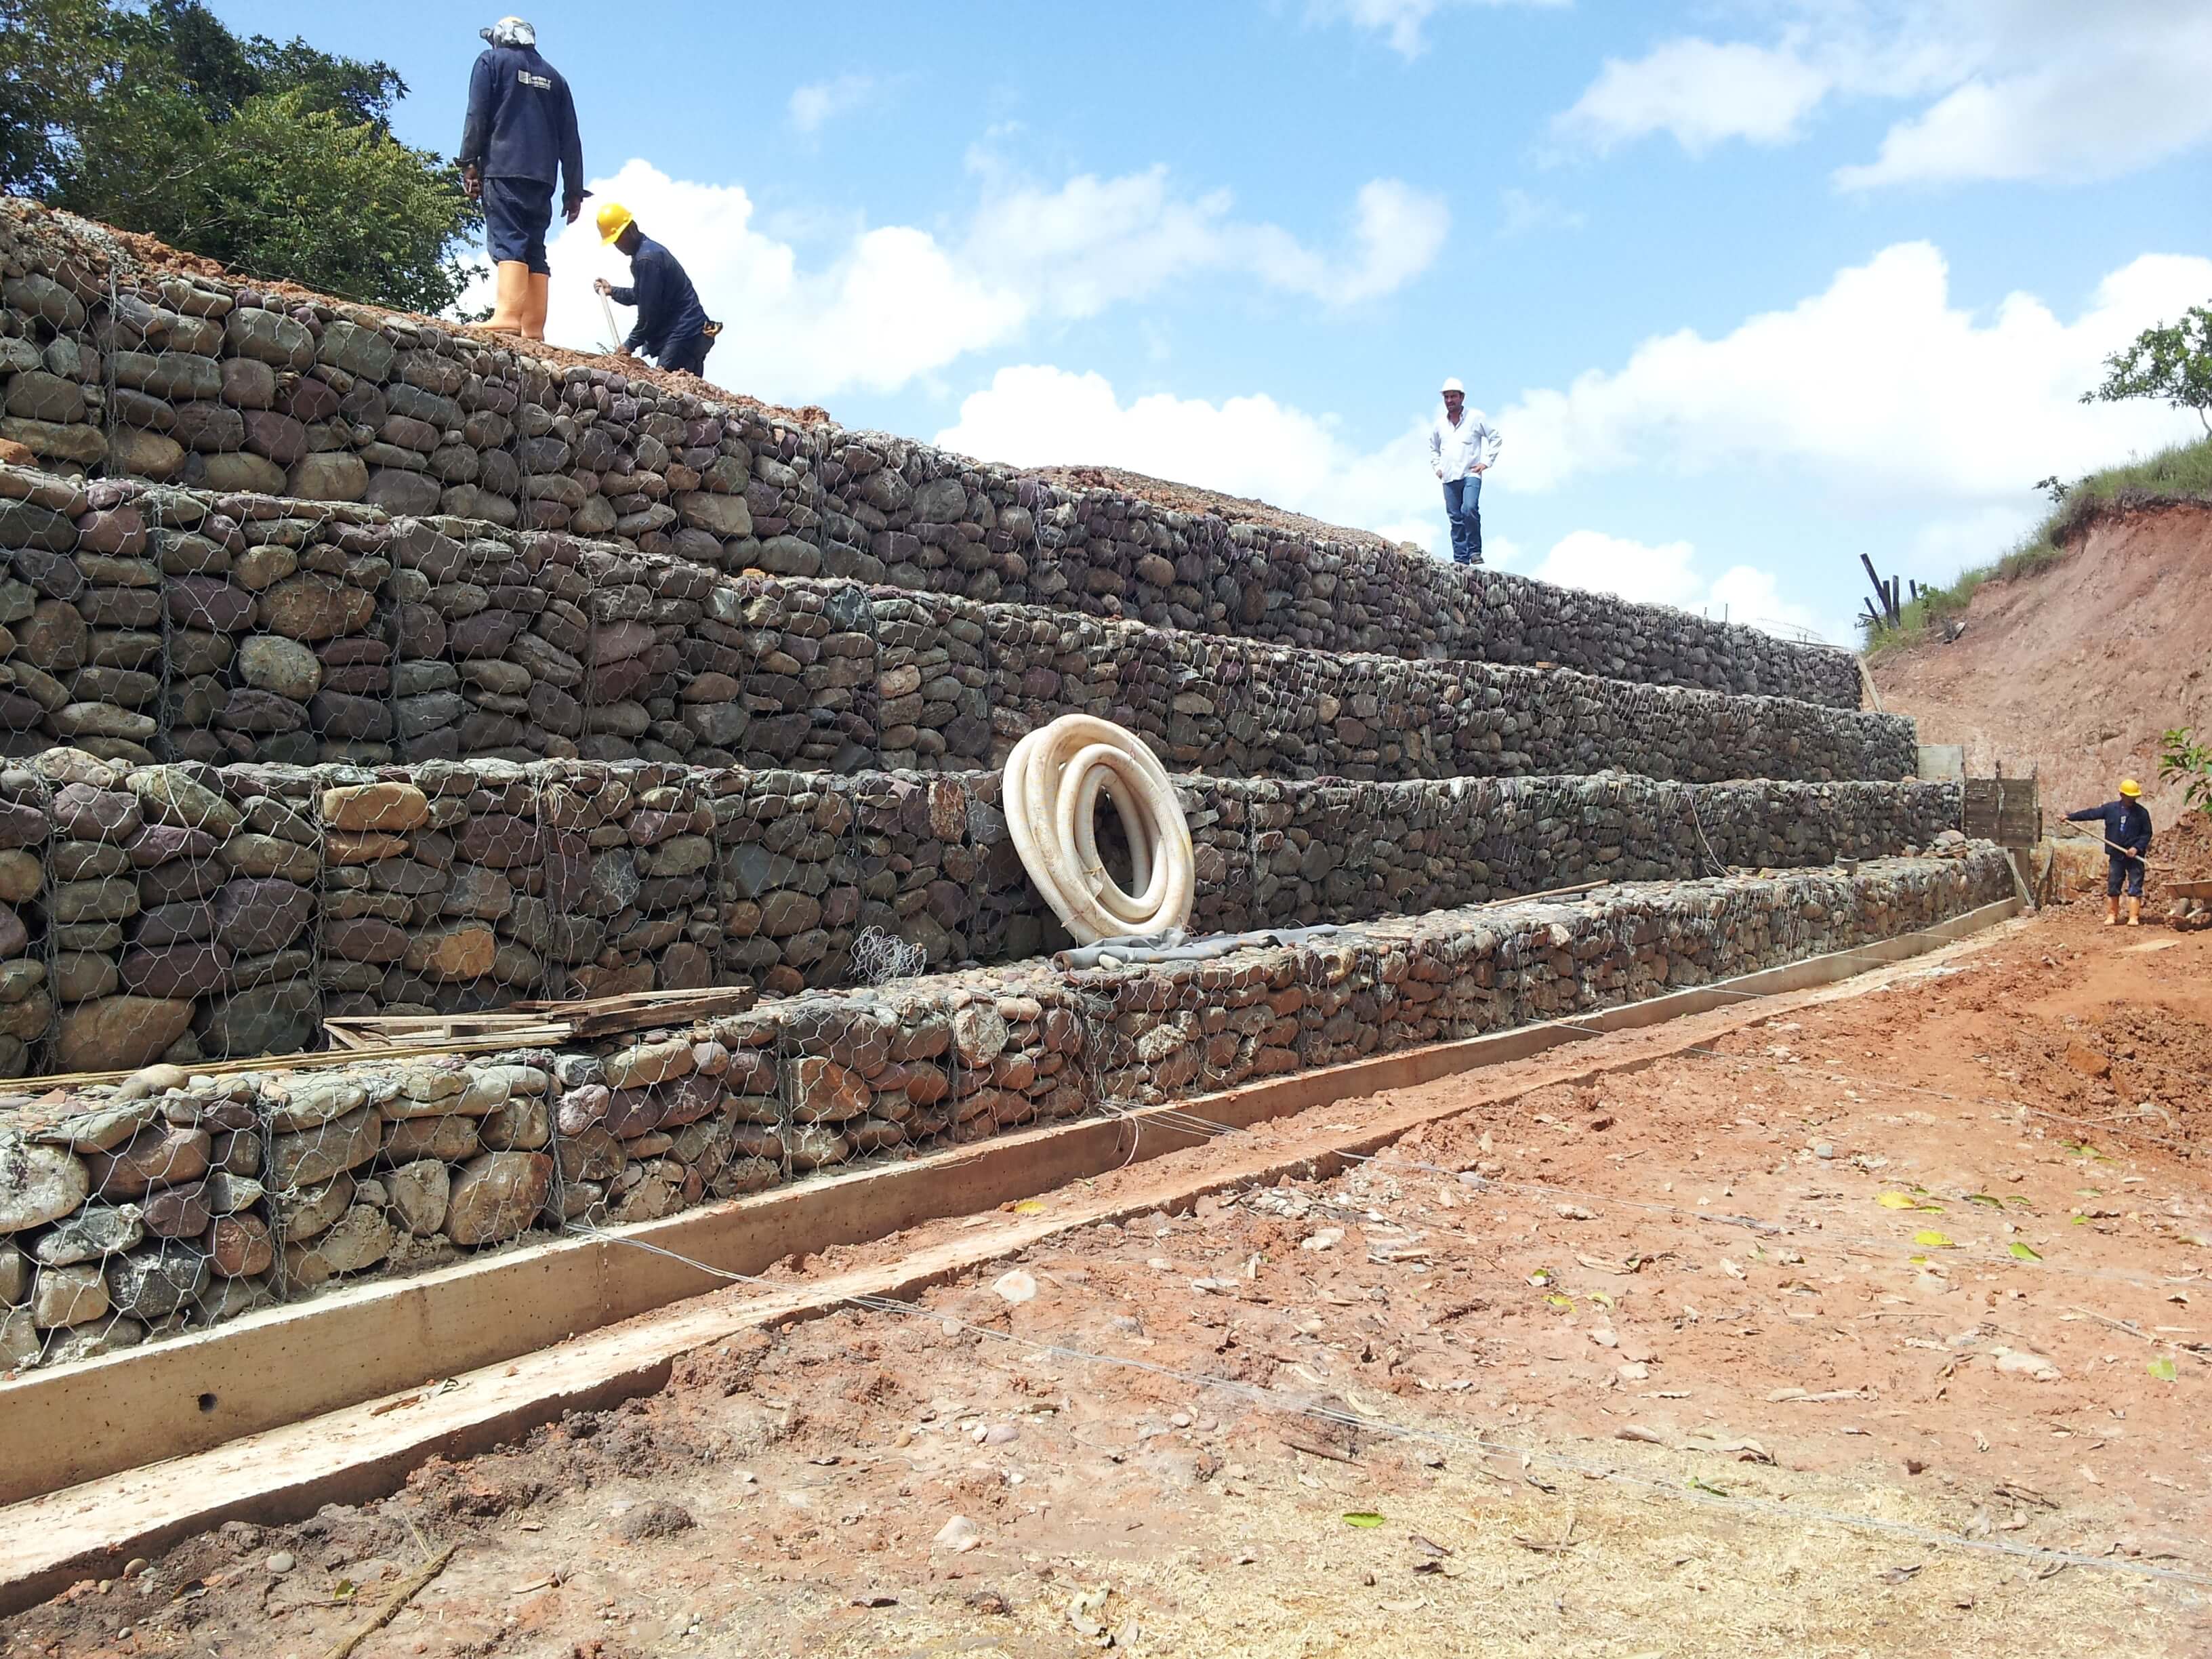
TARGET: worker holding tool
(518,141)
(2127,849)
(671,325)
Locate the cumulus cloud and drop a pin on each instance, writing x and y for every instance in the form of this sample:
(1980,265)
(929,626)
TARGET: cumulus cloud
(893,303)
(1700,92)
(1878,383)
(2008,89)
(1403,23)
(819,102)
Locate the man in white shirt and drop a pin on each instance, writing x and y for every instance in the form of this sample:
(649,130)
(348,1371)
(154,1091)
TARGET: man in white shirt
(1462,445)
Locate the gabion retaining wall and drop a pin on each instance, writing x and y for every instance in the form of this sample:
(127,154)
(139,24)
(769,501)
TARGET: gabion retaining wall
(184,1199)
(189,380)
(144,623)
(202,912)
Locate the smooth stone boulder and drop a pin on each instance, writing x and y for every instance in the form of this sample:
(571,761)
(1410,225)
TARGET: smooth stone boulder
(154,1284)
(68,1296)
(390,808)
(458,950)
(177,970)
(15,1276)
(825,1092)
(647,1063)
(96,1231)
(496,1196)
(143,454)
(159,1154)
(314,1156)
(339,476)
(104,1127)
(448,1138)
(252,854)
(254,914)
(177,1211)
(305,1103)
(227,1194)
(313,607)
(239,1246)
(87,813)
(269,337)
(119,1034)
(166,795)
(419,1192)
(270,662)
(40,1183)
(361,352)
(523,1123)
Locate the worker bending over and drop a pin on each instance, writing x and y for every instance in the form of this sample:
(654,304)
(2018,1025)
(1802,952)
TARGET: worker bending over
(2127,849)
(519,140)
(671,325)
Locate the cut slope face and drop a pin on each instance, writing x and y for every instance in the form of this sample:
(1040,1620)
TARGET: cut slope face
(2077,669)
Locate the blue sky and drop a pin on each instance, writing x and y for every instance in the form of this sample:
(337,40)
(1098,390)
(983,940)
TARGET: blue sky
(1749,287)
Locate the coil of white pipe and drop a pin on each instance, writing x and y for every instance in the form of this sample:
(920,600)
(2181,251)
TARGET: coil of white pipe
(1053,781)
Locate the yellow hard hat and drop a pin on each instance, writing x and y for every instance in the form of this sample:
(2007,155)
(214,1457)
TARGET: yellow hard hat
(614,219)
(2130,788)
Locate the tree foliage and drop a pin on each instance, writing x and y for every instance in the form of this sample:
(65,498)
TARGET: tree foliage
(2172,362)
(274,157)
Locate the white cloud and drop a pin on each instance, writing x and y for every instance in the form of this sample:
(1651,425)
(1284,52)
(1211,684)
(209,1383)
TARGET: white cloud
(1093,243)
(821,100)
(1038,416)
(1700,92)
(1668,574)
(1878,384)
(2010,89)
(893,303)
(1404,23)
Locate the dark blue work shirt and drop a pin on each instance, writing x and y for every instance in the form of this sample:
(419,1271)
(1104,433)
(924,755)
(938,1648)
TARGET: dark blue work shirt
(668,309)
(522,122)
(2127,822)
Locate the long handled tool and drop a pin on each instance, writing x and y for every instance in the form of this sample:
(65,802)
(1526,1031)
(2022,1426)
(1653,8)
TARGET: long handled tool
(614,334)
(2125,852)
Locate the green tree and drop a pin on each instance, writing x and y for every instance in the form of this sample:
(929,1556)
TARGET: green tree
(275,158)
(2172,362)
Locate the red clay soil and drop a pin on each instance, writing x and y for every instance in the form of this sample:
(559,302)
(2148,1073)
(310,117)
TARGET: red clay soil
(2077,669)
(1934,1255)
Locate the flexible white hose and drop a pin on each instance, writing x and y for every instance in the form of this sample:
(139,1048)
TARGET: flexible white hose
(1053,781)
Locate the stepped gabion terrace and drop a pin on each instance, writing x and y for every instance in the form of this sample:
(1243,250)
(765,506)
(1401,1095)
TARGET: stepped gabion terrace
(354,667)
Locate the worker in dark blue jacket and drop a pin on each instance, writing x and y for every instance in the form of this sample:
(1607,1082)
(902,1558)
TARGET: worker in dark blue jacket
(2127,849)
(671,325)
(518,141)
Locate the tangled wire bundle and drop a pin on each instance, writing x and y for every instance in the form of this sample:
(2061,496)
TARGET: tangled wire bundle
(1054,779)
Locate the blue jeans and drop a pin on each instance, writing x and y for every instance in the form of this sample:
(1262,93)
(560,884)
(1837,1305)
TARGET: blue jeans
(1463,506)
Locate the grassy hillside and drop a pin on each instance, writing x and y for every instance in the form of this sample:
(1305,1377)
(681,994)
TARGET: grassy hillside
(2182,474)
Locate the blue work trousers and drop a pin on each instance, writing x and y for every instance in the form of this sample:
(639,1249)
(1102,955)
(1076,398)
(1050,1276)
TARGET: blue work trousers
(1463,506)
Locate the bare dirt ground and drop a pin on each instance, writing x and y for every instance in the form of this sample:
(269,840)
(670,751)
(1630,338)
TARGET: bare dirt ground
(2076,670)
(1587,1371)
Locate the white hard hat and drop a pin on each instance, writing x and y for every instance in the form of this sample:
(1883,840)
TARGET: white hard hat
(1453,386)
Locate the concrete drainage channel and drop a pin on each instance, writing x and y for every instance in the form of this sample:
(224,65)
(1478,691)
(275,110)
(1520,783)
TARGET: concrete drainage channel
(332,1419)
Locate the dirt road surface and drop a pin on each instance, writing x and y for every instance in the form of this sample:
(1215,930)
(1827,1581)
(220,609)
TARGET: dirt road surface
(1879,1325)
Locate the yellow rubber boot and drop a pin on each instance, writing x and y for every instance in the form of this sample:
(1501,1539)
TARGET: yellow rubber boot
(510,294)
(2134,913)
(539,299)
(2112,913)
